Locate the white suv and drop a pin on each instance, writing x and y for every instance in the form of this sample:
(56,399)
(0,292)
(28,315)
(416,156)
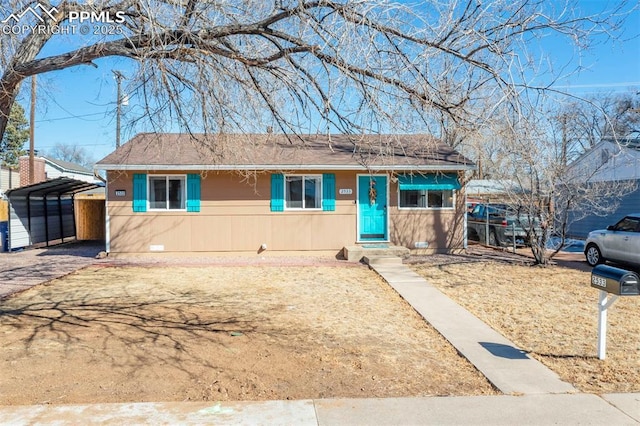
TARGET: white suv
(617,243)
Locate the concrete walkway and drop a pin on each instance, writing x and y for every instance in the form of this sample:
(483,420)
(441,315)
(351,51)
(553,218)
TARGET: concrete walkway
(508,368)
(534,394)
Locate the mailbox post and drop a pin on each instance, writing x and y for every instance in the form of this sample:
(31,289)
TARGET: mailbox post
(614,281)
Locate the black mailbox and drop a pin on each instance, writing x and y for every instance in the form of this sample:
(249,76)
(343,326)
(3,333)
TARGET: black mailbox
(615,280)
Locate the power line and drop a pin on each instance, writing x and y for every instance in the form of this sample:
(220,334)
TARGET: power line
(51,144)
(598,85)
(70,117)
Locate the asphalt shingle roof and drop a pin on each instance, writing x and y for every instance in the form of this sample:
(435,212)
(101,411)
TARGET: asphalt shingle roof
(68,166)
(277,151)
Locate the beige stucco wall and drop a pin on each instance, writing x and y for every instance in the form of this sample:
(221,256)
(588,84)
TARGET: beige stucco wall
(235,216)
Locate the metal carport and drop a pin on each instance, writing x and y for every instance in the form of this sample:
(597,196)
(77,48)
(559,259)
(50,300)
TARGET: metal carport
(43,212)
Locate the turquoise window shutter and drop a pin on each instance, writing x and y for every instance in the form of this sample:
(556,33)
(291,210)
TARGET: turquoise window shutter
(329,192)
(277,192)
(139,192)
(193,192)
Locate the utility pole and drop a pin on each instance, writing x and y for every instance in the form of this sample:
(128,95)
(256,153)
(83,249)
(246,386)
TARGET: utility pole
(119,78)
(32,131)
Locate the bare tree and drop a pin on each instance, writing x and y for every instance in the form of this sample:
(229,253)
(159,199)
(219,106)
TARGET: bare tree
(71,153)
(545,190)
(350,66)
(585,123)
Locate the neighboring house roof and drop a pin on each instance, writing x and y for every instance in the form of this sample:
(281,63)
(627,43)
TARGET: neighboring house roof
(477,187)
(67,166)
(631,140)
(607,161)
(170,151)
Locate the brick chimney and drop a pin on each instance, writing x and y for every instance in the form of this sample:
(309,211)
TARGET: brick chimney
(38,169)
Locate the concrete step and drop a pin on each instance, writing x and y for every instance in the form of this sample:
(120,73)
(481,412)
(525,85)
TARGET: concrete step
(382,260)
(358,252)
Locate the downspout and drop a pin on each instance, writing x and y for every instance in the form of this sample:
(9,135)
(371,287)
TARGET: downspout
(107,242)
(100,178)
(73,215)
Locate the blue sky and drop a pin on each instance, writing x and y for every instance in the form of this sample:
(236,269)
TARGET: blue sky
(77,106)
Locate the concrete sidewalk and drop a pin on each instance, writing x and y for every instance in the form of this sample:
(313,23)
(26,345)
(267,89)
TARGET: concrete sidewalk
(565,409)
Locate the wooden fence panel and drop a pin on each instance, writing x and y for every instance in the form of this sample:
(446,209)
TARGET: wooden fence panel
(90,219)
(4,211)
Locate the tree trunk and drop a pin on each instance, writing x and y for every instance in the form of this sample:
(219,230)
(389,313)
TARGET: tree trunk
(8,93)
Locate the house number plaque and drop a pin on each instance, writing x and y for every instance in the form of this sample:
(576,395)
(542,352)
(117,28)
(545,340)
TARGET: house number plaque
(120,192)
(345,191)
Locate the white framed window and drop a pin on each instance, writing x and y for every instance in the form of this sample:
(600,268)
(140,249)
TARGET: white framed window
(167,192)
(425,199)
(303,192)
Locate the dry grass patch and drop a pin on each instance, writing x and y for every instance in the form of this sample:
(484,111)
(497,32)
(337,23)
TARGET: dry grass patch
(551,313)
(123,334)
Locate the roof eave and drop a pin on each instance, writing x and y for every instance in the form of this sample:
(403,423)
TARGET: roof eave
(264,167)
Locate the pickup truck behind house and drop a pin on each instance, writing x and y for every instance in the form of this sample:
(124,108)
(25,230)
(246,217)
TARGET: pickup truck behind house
(487,223)
(503,223)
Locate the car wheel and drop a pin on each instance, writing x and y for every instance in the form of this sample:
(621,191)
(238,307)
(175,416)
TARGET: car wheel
(593,254)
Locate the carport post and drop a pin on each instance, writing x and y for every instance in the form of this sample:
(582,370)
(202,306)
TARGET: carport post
(486,229)
(603,305)
(60,216)
(29,215)
(46,218)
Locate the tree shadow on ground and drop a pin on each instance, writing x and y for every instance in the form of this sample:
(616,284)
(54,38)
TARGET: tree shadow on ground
(131,334)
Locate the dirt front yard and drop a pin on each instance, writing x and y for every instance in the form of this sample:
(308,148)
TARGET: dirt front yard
(552,313)
(119,334)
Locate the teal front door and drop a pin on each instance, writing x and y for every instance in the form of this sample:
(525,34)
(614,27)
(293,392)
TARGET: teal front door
(372,208)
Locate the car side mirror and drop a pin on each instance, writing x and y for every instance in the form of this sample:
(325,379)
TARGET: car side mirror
(611,228)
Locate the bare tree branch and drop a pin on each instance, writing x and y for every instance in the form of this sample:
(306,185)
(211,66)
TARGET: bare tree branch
(359,65)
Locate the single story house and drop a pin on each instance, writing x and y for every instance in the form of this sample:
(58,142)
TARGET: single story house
(615,163)
(250,193)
